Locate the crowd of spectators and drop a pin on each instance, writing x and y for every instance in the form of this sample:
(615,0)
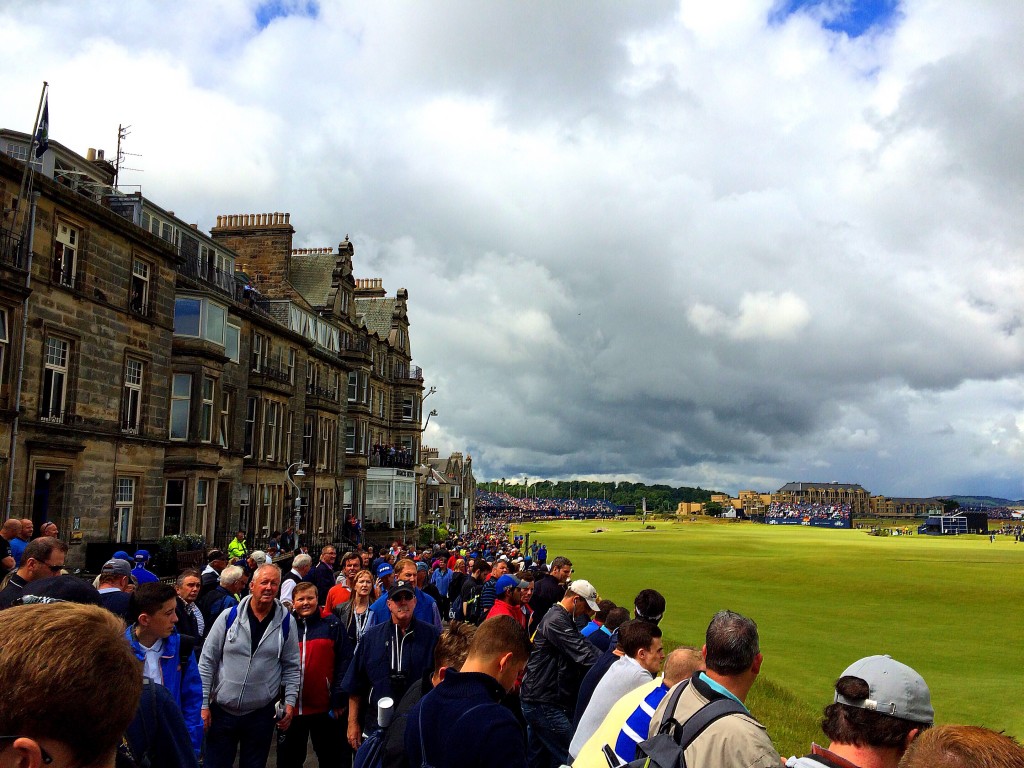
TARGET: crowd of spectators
(391,456)
(504,503)
(808,511)
(465,653)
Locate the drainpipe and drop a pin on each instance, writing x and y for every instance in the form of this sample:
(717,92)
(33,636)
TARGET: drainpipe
(12,453)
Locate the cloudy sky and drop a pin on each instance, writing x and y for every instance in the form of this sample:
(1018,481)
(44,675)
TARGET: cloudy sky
(728,244)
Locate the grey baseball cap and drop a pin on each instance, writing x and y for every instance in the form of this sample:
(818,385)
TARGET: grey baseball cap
(894,689)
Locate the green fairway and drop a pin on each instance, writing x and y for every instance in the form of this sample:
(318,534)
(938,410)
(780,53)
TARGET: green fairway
(947,606)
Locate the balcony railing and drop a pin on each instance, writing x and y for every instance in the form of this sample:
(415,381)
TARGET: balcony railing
(204,272)
(356,344)
(11,252)
(273,372)
(402,371)
(324,393)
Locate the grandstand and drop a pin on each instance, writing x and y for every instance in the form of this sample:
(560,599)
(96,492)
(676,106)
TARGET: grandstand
(807,513)
(503,503)
(957,523)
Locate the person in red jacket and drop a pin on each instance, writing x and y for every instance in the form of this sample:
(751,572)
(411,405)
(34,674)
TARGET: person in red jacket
(509,599)
(320,709)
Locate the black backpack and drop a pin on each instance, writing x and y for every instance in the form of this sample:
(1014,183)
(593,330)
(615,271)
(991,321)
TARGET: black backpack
(667,747)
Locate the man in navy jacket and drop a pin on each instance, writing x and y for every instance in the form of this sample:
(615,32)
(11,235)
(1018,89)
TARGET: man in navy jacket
(461,723)
(389,657)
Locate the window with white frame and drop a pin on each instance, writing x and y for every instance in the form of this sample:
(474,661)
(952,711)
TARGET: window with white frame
(174,506)
(244,494)
(200,318)
(270,434)
(260,351)
(55,380)
(206,412)
(224,434)
(65,253)
(202,506)
(289,425)
(232,341)
(5,339)
(307,440)
(353,386)
(124,505)
(131,404)
(181,396)
(408,408)
(251,409)
(291,365)
(350,437)
(138,300)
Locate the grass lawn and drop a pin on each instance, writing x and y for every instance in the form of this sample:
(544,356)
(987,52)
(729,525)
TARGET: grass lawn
(947,606)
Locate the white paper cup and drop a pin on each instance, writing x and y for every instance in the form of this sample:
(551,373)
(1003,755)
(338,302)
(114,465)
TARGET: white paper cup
(385,711)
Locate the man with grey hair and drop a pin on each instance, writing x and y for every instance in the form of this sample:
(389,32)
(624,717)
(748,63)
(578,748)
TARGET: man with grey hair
(231,585)
(300,567)
(732,657)
(251,652)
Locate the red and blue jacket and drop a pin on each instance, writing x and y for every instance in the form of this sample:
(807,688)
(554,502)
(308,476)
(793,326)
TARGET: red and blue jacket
(321,663)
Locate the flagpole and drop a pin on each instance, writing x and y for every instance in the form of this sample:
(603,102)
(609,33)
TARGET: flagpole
(25,243)
(22,191)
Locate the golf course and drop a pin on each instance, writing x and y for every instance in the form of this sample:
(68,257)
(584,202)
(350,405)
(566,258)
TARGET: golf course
(947,606)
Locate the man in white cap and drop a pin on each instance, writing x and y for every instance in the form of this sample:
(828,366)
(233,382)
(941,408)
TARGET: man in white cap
(880,707)
(560,659)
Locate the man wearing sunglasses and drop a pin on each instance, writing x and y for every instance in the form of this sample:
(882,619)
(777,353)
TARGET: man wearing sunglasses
(389,658)
(43,558)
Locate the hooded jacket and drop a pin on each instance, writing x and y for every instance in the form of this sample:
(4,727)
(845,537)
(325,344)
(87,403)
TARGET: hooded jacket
(184,685)
(240,682)
(322,664)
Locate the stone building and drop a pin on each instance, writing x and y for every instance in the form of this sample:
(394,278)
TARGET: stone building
(448,490)
(174,382)
(852,494)
(892,506)
(362,350)
(89,298)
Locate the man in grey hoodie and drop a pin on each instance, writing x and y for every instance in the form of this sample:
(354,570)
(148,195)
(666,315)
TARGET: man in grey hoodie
(249,654)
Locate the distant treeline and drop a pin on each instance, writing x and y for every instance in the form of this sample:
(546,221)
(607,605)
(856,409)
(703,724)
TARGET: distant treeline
(660,498)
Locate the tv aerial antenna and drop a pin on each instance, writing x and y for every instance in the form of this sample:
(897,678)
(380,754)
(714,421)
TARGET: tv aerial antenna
(123,133)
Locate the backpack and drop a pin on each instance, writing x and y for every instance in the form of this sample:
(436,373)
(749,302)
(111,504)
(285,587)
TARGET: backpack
(667,747)
(474,614)
(371,752)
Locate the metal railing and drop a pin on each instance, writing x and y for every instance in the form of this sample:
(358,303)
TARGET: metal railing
(11,251)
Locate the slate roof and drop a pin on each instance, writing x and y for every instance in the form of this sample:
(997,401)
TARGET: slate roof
(376,314)
(310,275)
(803,486)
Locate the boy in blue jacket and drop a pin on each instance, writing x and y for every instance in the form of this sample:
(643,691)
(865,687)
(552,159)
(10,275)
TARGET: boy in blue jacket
(156,643)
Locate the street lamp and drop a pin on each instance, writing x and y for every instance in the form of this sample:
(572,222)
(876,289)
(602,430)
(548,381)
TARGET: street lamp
(433,412)
(297,503)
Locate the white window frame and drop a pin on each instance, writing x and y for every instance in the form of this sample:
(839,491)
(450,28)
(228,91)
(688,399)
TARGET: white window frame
(138,300)
(56,366)
(124,505)
(67,240)
(224,431)
(207,392)
(134,375)
(180,402)
(232,342)
(202,506)
(5,339)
